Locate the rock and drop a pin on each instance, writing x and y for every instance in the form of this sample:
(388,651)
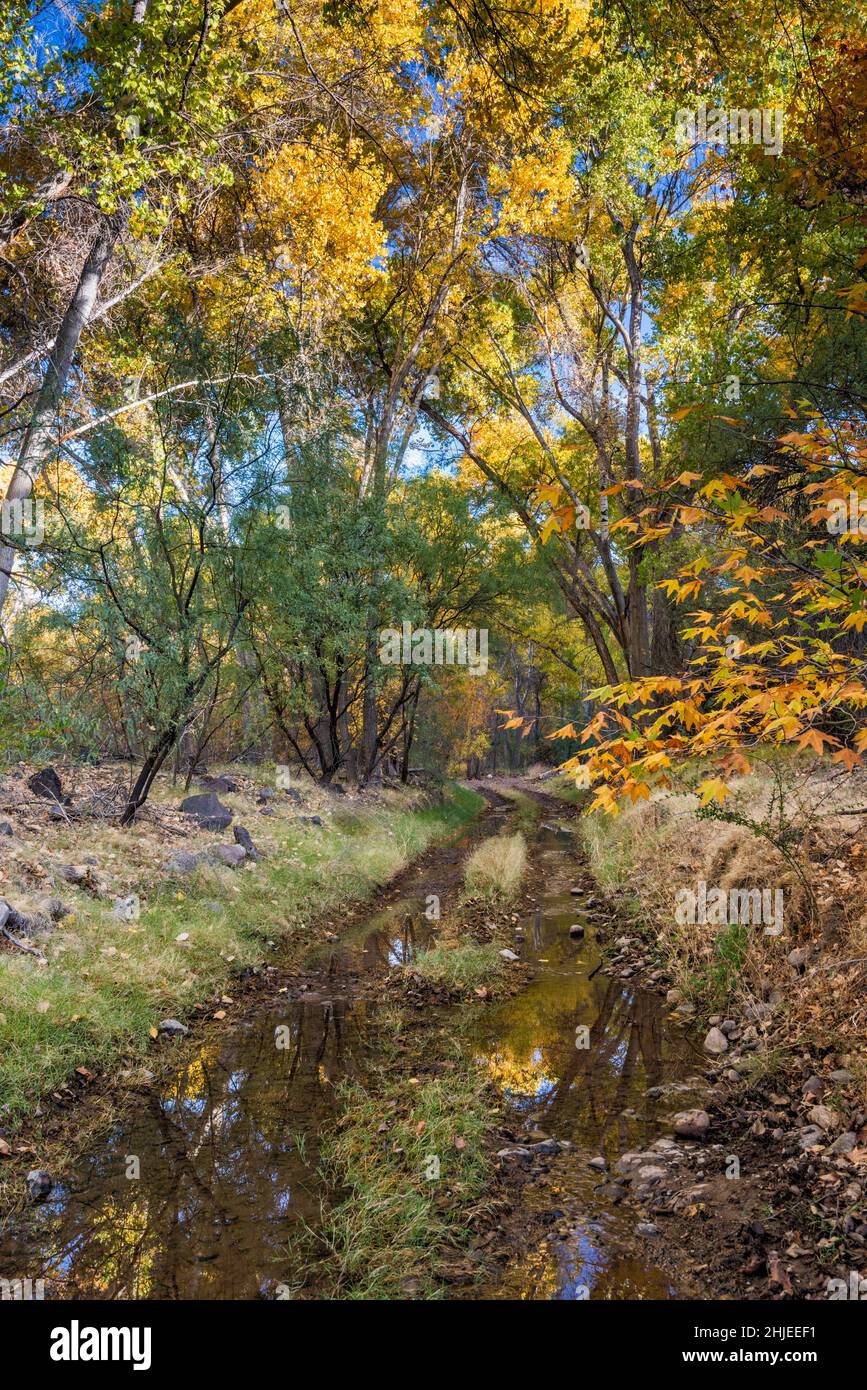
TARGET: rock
(716,1042)
(46,784)
(646,1228)
(547,1146)
(218,784)
(823,1117)
(576,892)
(245,839)
(6,828)
(845,1144)
(183,863)
(576,929)
(39,1184)
(673,996)
(599,1163)
(516,1152)
(728,1027)
(813,1086)
(233,856)
(508,955)
(310,820)
(651,1173)
(842,1077)
(809,1136)
(127,909)
(208,811)
(173,1028)
(798,958)
(265,795)
(691,1124)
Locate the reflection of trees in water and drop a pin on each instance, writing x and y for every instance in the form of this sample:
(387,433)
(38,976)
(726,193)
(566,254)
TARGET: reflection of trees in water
(223,1173)
(596,1083)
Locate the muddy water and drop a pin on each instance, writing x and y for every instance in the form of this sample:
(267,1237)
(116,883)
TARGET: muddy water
(198,1195)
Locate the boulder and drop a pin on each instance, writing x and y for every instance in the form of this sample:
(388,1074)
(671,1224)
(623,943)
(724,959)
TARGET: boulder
(691,1124)
(46,784)
(208,811)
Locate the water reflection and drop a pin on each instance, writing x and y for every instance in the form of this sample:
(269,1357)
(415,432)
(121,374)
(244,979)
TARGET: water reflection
(225,1161)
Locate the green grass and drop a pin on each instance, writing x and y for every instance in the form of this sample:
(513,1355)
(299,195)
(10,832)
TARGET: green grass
(393,1220)
(461,967)
(108,982)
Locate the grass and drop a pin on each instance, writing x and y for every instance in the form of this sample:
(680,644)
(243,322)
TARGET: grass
(459,966)
(107,983)
(403,1198)
(495,869)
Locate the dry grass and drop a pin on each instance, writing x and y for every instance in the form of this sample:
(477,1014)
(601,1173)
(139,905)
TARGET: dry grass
(655,848)
(495,869)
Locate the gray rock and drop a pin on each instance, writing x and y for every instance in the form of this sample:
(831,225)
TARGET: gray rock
(842,1077)
(576,929)
(183,863)
(173,1028)
(233,856)
(809,1136)
(598,1163)
(651,1173)
(245,839)
(516,1152)
(6,828)
(208,811)
(39,1184)
(691,1124)
(646,1228)
(716,1042)
(813,1086)
(310,820)
(798,958)
(729,1026)
(508,955)
(845,1144)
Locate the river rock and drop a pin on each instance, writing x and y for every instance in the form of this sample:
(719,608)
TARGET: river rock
(508,955)
(515,1152)
(576,929)
(208,811)
(39,1184)
(598,1163)
(173,1028)
(716,1042)
(691,1124)
(646,1228)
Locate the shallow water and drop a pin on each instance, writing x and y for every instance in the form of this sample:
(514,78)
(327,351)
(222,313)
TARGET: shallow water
(200,1192)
